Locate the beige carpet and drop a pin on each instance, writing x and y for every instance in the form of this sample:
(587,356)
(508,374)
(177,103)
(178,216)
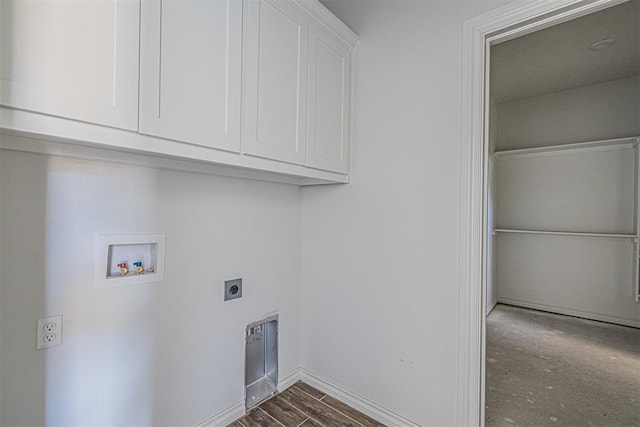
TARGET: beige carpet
(546,369)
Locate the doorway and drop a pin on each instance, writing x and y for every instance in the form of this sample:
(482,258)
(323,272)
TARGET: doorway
(480,34)
(562,224)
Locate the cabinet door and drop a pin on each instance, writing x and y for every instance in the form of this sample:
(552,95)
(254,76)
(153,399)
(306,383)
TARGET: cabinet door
(276,86)
(190,71)
(73,59)
(328,123)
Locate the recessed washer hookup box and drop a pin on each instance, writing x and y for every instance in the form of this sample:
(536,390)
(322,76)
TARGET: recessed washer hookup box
(261,360)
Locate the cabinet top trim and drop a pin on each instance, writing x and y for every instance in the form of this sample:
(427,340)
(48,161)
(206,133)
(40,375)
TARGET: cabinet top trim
(20,131)
(324,17)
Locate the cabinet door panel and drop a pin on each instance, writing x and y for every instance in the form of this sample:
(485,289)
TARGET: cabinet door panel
(73,59)
(328,125)
(191,53)
(276,81)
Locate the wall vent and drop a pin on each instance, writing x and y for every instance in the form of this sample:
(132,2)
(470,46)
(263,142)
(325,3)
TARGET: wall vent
(261,361)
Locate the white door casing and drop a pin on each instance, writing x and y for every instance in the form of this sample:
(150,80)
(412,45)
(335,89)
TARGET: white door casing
(479,33)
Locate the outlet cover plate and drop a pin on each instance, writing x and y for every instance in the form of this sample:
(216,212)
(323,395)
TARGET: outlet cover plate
(49,332)
(232,289)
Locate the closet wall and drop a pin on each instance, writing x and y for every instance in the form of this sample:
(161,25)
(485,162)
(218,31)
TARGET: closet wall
(585,186)
(602,111)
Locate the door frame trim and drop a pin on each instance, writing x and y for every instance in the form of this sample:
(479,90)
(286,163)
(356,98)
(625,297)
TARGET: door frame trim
(479,33)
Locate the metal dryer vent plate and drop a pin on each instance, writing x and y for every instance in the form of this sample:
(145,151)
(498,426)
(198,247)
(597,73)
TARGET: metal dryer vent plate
(261,360)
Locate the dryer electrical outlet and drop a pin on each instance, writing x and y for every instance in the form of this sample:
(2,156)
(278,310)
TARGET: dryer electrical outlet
(232,289)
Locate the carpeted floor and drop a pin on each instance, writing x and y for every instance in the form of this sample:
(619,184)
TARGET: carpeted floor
(546,369)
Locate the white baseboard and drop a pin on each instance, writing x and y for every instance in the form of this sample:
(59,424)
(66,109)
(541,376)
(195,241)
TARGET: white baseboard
(288,380)
(237,410)
(360,403)
(492,306)
(226,417)
(570,312)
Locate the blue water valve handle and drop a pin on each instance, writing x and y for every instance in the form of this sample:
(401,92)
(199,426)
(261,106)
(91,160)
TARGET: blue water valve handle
(138,267)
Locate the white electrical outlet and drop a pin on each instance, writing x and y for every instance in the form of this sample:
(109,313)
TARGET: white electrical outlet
(49,332)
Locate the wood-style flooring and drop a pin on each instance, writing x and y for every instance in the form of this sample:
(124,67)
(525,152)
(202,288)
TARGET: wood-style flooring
(303,405)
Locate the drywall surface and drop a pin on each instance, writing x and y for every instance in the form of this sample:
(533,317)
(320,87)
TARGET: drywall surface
(379,304)
(168,353)
(569,191)
(583,192)
(579,276)
(604,111)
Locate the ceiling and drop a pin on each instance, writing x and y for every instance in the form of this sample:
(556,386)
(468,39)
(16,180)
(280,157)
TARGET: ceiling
(557,58)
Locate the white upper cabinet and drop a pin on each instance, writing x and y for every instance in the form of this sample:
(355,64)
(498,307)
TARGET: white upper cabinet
(248,85)
(72,59)
(329,89)
(276,82)
(191,70)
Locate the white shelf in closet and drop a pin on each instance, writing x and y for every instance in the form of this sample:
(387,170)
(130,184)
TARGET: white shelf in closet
(551,203)
(575,148)
(587,188)
(565,233)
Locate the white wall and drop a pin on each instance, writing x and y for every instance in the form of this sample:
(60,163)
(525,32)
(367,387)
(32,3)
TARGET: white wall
(580,192)
(588,192)
(579,276)
(169,353)
(590,113)
(379,256)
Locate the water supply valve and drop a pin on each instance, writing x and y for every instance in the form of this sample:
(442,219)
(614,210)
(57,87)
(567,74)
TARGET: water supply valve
(139,268)
(123,268)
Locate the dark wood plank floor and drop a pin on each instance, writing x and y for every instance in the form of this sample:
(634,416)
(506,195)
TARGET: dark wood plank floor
(303,406)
